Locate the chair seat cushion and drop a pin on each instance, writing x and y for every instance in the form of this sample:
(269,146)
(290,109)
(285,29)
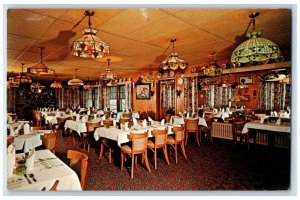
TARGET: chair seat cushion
(171,140)
(150,144)
(126,149)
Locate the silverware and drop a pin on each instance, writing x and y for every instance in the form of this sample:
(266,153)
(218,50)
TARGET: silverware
(32,177)
(25,175)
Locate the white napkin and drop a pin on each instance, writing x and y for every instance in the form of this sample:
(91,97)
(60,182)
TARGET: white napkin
(11,130)
(88,112)
(134,121)
(71,112)
(103,117)
(162,122)
(188,115)
(262,118)
(127,110)
(119,115)
(115,123)
(26,129)
(9,119)
(83,119)
(126,126)
(30,160)
(275,114)
(272,114)
(144,123)
(201,107)
(223,110)
(227,109)
(285,114)
(74,113)
(11,159)
(180,113)
(95,116)
(150,120)
(77,117)
(278,121)
(215,110)
(100,112)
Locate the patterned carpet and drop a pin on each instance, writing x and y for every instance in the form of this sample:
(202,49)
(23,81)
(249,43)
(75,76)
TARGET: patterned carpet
(212,166)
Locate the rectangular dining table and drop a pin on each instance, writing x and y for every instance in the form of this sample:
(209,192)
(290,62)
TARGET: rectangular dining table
(47,169)
(29,141)
(123,136)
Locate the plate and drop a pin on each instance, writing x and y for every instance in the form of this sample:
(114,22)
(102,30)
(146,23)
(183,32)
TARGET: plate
(171,73)
(180,81)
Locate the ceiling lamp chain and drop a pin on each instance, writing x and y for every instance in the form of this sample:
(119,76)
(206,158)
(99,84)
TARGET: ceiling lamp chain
(40,68)
(173,63)
(22,78)
(75,81)
(89,45)
(255,50)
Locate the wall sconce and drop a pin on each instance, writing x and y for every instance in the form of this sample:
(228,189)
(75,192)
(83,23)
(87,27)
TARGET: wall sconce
(178,93)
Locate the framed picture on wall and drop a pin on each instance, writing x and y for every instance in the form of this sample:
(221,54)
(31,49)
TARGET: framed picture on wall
(143,91)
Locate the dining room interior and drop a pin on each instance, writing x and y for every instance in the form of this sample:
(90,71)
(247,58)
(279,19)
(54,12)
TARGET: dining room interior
(149,99)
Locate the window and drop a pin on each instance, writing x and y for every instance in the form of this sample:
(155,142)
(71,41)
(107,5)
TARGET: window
(89,101)
(122,101)
(92,98)
(113,98)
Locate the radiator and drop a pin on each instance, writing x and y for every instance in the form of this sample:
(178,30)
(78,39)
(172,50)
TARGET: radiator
(280,140)
(221,130)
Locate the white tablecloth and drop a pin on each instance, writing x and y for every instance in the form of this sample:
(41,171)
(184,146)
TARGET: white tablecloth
(29,141)
(47,169)
(51,119)
(122,136)
(268,127)
(179,121)
(77,126)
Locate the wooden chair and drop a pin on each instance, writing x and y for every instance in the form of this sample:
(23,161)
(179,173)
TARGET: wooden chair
(126,115)
(53,188)
(49,141)
(207,130)
(124,120)
(88,136)
(173,141)
(139,146)
(38,128)
(79,163)
(10,140)
(104,142)
(191,126)
(107,114)
(60,125)
(237,127)
(160,141)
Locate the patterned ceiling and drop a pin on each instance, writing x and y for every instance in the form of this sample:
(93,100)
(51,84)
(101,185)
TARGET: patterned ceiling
(137,37)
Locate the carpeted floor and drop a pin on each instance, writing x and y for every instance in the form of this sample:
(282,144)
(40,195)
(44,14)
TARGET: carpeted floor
(212,166)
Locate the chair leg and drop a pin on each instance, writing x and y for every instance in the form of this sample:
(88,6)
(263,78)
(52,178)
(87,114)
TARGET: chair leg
(176,158)
(89,146)
(166,154)
(186,138)
(155,155)
(122,160)
(197,139)
(183,150)
(101,150)
(132,165)
(147,162)
(109,155)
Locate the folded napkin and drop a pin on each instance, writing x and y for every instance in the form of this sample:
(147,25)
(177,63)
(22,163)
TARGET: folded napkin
(103,117)
(84,119)
(262,118)
(278,122)
(115,123)
(150,120)
(227,109)
(11,130)
(215,110)
(223,110)
(162,122)
(88,112)
(74,113)
(30,160)
(11,159)
(126,126)
(188,115)
(26,129)
(144,123)
(134,121)
(9,119)
(71,113)
(95,116)
(77,117)
(100,112)
(275,114)
(272,114)
(179,113)
(119,115)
